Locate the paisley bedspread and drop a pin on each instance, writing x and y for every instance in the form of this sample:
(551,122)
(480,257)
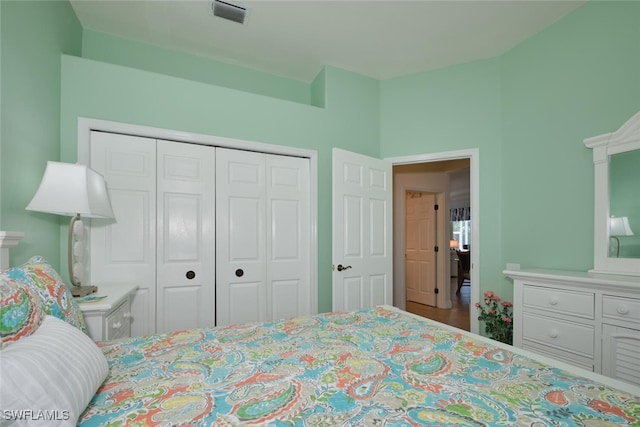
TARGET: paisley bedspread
(363,368)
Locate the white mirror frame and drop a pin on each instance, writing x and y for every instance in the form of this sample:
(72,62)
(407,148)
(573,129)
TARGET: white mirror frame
(627,138)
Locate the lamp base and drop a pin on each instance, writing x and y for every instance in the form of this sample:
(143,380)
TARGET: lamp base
(81,291)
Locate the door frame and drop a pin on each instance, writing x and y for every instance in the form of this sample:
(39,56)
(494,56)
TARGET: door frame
(473,154)
(86,125)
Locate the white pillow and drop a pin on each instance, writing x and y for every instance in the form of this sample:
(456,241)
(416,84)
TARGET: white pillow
(48,378)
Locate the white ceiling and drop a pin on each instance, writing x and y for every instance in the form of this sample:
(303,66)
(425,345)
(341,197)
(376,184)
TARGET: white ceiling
(296,38)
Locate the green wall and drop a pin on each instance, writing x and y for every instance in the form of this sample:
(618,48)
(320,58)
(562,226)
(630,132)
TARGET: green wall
(111,92)
(528,112)
(579,78)
(446,110)
(33,34)
(1,127)
(116,50)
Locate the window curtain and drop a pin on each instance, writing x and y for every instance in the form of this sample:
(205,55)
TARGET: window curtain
(460,214)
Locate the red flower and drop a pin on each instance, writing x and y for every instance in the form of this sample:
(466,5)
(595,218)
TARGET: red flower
(497,316)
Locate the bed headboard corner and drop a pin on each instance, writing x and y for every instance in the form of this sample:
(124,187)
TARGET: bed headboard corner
(8,240)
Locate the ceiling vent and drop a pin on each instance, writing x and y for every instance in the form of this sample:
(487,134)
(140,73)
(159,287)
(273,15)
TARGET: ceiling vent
(228,11)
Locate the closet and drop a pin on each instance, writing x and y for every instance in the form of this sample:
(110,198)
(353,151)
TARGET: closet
(263,231)
(210,235)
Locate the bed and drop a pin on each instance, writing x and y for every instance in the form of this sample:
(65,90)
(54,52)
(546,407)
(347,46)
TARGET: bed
(378,366)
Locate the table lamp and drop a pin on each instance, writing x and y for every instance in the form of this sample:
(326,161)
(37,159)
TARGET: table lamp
(73,190)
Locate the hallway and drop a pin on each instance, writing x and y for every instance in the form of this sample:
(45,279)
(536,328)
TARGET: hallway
(457,316)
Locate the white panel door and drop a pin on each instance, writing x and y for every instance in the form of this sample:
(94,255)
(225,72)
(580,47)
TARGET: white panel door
(263,223)
(288,236)
(420,255)
(186,236)
(241,270)
(124,250)
(362,227)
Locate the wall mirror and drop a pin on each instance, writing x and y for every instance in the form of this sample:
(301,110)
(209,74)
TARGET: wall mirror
(616,159)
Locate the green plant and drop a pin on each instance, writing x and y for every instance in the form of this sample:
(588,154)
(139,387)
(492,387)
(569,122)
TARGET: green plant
(497,316)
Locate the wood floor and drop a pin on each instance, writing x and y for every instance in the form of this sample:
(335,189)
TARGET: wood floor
(457,316)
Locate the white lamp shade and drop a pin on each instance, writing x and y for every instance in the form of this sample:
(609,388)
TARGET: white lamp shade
(70,189)
(619,226)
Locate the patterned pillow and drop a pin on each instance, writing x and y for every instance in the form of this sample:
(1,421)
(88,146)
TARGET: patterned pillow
(38,275)
(20,312)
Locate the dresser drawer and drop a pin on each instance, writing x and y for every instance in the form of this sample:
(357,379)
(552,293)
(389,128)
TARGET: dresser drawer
(625,309)
(559,301)
(565,336)
(117,323)
(563,356)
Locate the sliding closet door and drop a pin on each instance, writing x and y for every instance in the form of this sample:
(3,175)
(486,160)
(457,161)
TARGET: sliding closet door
(210,235)
(186,236)
(241,264)
(263,236)
(288,236)
(124,250)
(162,239)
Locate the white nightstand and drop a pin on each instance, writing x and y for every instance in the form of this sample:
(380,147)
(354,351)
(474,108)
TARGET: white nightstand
(109,318)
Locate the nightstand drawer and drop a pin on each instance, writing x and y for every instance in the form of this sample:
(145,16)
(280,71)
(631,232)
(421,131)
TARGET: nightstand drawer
(566,336)
(627,309)
(560,301)
(109,318)
(117,323)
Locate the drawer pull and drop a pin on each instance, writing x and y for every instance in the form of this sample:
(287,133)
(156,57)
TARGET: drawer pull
(117,325)
(622,310)
(553,301)
(554,334)
(127,315)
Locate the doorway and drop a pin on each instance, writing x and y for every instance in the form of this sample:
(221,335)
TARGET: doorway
(450,308)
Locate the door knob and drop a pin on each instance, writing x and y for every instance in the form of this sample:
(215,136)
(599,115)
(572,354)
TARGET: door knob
(340,267)
(190,274)
(239,272)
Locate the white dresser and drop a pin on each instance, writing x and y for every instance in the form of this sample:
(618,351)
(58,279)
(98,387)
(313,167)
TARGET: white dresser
(586,319)
(109,318)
